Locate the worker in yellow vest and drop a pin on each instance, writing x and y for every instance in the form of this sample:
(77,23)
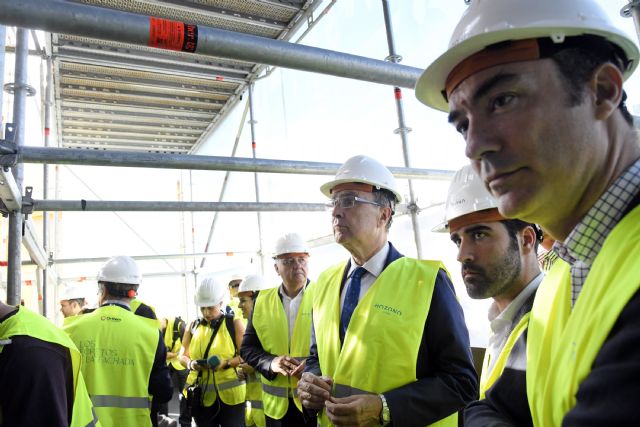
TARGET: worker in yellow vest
(389,343)
(247,293)
(277,340)
(233,286)
(536,90)
(173,329)
(124,356)
(215,394)
(498,258)
(42,384)
(73,300)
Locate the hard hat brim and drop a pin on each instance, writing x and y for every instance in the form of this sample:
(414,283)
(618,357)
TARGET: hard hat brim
(430,86)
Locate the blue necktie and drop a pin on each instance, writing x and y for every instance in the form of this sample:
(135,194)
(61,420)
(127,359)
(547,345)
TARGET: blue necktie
(351,299)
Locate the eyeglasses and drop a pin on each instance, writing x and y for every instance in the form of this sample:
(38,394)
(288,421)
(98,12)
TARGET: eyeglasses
(347,202)
(288,262)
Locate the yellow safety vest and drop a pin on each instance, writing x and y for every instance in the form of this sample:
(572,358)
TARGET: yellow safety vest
(118,349)
(234,304)
(26,322)
(563,343)
(168,341)
(223,382)
(380,349)
(272,328)
(255,412)
(488,378)
(135,303)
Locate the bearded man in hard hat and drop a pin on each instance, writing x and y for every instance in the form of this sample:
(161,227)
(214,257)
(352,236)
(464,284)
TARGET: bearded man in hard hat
(247,293)
(124,356)
(276,342)
(42,384)
(72,301)
(499,260)
(535,89)
(390,345)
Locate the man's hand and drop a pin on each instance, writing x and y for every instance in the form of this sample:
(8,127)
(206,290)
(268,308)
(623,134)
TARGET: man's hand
(360,410)
(314,391)
(297,372)
(284,365)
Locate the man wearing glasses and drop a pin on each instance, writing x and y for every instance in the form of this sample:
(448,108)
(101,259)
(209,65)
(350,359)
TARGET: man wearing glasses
(389,344)
(276,341)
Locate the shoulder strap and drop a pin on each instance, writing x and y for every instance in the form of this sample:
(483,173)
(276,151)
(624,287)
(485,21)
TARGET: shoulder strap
(231,327)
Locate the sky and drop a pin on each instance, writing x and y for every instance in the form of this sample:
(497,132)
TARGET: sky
(300,116)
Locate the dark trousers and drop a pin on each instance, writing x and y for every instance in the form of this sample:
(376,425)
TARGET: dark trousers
(219,415)
(178,379)
(293,418)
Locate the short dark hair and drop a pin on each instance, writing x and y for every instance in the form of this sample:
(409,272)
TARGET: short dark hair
(79,301)
(386,198)
(119,290)
(577,63)
(514,226)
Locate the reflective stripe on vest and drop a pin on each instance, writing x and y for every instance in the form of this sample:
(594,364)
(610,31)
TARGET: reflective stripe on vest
(341,390)
(272,328)
(254,413)
(256,404)
(376,320)
(226,384)
(563,343)
(102,401)
(117,344)
(487,379)
(26,322)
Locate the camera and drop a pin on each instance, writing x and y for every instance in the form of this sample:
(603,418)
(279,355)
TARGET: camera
(194,396)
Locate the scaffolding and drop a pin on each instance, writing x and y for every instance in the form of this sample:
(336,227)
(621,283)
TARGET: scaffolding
(80,28)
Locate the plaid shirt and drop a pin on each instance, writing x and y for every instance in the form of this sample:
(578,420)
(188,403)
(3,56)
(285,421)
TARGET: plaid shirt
(584,242)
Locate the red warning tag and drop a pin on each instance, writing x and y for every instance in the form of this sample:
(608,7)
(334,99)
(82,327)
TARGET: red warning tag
(172,35)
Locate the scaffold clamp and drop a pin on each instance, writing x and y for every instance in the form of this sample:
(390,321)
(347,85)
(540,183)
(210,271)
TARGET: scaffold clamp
(8,149)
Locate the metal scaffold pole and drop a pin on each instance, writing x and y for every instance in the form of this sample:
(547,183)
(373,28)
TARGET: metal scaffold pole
(3,35)
(48,105)
(632,10)
(253,122)
(108,24)
(69,156)
(14,276)
(403,130)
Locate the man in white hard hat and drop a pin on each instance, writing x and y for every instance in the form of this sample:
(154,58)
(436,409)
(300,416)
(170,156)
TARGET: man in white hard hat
(116,344)
(276,342)
(72,301)
(42,384)
(535,89)
(247,293)
(390,345)
(498,259)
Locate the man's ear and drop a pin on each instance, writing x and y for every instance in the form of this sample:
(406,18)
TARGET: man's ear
(275,266)
(528,239)
(606,82)
(385,215)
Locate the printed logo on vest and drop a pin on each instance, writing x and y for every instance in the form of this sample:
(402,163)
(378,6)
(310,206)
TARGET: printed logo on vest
(111,319)
(388,310)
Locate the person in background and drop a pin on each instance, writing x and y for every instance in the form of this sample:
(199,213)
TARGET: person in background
(124,356)
(42,384)
(535,88)
(276,342)
(498,260)
(247,293)
(73,301)
(210,350)
(173,329)
(233,285)
(389,342)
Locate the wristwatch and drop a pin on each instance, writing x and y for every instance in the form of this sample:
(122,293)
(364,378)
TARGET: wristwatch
(385,413)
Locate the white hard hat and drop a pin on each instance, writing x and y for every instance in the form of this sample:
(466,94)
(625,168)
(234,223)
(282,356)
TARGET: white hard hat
(486,22)
(251,283)
(210,292)
(467,194)
(120,269)
(73,292)
(290,243)
(366,170)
